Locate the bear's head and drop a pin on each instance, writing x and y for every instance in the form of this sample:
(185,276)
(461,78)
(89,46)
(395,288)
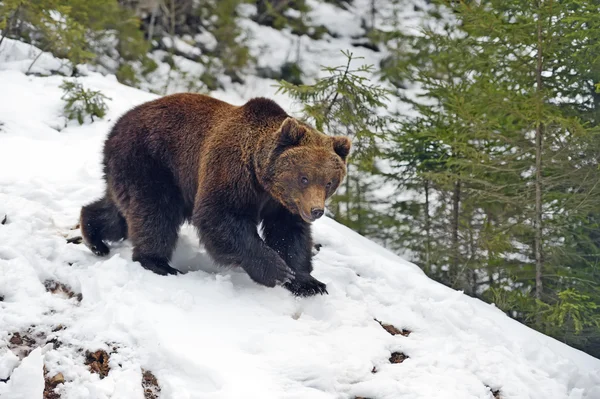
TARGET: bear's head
(305,168)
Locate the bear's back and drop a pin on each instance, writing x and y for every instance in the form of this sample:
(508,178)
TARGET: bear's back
(180,130)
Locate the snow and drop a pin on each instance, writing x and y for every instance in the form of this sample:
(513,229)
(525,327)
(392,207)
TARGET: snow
(8,361)
(20,56)
(338,21)
(27,380)
(182,46)
(212,333)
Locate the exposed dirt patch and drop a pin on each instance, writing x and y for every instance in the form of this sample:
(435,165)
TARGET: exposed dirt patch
(59,327)
(315,249)
(22,343)
(51,383)
(398,357)
(60,289)
(495,392)
(98,362)
(56,343)
(393,330)
(1,298)
(150,385)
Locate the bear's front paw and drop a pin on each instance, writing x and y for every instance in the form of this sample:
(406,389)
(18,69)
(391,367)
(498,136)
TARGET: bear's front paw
(163,270)
(99,249)
(306,285)
(270,272)
(157,265)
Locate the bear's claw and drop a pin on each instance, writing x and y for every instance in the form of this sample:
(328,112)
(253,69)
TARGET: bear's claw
(163,270)
(306,285)
(156,265)
(100,249)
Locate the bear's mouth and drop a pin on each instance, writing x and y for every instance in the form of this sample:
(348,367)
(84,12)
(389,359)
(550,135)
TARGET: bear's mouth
(307,218)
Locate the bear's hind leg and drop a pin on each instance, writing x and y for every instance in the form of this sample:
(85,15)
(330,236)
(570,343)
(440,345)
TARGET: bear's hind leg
(154,213)
(101,221)
(153,229)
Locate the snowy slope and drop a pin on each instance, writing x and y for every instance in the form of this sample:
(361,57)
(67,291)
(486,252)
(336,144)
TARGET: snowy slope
(212,333)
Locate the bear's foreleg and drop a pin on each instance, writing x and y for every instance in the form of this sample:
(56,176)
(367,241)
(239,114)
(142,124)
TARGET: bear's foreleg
(231,238)
(290,237)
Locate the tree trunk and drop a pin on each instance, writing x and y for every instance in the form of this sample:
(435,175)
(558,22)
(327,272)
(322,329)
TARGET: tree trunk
(152,22)
(348,220)
(490,270)
(9,23)
(472,277)
(373,11)
(359,218)
(427,231)
(539,132)
(455,247)
(171,12)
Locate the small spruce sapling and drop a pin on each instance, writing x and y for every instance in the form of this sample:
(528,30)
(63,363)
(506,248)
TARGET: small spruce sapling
(81,102)
(347,101)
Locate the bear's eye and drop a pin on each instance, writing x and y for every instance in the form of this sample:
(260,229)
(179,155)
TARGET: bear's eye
(304,180)
(328,186)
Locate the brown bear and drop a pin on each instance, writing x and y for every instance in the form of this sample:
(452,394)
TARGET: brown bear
(225,169)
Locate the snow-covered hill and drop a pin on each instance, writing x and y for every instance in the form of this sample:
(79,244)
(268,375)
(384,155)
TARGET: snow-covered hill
(212,333)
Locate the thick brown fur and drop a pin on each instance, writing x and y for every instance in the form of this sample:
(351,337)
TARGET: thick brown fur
(225,169)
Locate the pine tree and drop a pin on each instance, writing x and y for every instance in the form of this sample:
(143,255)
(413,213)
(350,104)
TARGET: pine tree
(81,31)
(509,115)
(81,103)
(231,54)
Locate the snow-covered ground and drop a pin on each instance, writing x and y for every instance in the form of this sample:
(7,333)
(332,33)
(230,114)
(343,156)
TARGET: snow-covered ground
(212,333)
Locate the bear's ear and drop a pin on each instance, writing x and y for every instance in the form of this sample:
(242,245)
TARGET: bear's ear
(341,146)
(290,132)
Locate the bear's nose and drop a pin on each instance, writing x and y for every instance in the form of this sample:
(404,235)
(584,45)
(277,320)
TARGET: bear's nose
(316,213)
